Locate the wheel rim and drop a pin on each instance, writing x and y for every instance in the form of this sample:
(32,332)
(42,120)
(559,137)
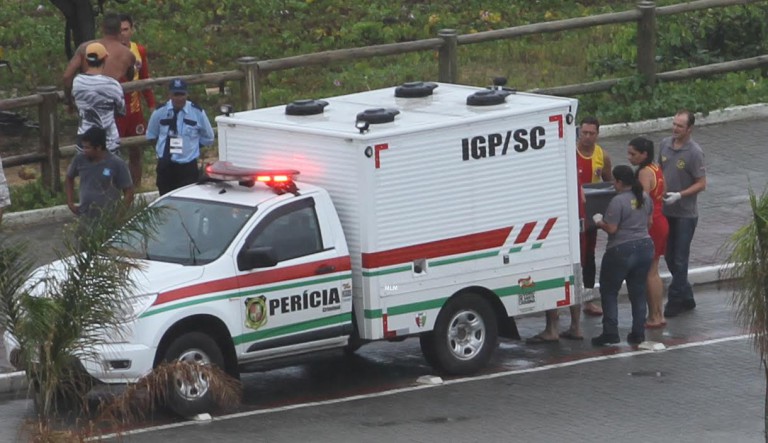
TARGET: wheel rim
(193,385)
(466,335)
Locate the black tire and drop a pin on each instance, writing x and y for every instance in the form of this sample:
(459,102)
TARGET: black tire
(465,336)
(189,399)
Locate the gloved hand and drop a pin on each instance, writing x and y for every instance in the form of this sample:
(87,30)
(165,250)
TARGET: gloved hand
(671,197)
(597,218)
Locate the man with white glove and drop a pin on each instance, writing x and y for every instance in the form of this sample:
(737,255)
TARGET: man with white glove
(671,197)
(682,161)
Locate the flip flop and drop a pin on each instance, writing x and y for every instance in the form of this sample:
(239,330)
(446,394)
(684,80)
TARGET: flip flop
(568,335)
(539,340)
(656,326)
(592,311)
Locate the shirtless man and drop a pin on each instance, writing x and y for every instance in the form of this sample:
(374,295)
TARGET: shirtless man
(119,65)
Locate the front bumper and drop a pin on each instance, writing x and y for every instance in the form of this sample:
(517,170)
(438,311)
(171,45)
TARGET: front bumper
(116,363)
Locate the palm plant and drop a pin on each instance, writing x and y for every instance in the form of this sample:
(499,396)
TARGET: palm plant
(748,254)
(60,312)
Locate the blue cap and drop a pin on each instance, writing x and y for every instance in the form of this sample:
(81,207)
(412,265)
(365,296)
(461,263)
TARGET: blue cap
(178,85)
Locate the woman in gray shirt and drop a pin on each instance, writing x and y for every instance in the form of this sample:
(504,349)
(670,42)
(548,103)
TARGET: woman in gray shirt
(628,256)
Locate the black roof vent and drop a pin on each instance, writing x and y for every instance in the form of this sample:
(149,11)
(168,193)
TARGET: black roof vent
(495,95)
(305,107)
(378,115)
(415,89)
(488,97)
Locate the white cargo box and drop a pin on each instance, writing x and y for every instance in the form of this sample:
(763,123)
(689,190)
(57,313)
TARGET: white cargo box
(444,197)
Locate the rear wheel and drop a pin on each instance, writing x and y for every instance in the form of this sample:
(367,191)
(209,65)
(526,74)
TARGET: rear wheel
(187,395)
(464,338)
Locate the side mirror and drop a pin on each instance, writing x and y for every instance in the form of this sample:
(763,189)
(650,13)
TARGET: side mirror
(261,257)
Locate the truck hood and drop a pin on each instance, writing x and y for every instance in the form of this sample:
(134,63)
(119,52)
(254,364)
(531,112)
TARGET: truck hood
(150,277)
(157,276)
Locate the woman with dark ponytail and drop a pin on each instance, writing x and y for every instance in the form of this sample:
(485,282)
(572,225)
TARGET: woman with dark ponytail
(640,153)
(628,255)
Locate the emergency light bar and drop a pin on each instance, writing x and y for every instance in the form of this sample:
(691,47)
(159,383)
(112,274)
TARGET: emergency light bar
(280,180)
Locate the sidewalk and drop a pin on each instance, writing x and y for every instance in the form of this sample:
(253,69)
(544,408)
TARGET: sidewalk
(735,156)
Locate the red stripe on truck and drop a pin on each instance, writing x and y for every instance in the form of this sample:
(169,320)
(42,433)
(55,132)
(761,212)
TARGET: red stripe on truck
(547,227)
(439,248)
(263,277)
(522,237)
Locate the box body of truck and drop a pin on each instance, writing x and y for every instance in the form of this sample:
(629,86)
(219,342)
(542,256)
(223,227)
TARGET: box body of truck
(436,197)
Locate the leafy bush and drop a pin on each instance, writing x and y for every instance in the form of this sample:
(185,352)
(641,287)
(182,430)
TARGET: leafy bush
(34,195)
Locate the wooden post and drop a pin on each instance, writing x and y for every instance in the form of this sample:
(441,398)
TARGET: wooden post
(49,140)
(251,89)
(448,56)
(646,41)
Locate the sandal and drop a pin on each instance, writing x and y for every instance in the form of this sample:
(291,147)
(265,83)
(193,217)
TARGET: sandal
(538,339)
(568,335)
(655,325)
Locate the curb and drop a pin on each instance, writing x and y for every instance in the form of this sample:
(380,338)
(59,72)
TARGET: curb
(13,220)
(746,112)
(15,382)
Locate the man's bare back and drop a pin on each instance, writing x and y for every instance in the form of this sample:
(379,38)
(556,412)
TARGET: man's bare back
(118,65)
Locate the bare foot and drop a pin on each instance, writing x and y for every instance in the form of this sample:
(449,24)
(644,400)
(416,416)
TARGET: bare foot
(593,309)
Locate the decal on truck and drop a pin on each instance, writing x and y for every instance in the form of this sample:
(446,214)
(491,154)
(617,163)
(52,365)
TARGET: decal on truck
(256,312)
(327,298)
(491,145)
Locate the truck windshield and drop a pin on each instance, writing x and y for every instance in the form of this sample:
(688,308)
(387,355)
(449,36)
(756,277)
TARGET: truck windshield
(186,231)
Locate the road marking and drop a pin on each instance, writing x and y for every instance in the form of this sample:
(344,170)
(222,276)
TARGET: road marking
(548,367)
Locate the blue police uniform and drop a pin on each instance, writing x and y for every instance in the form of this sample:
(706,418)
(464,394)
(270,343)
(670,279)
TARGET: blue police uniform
(192,125)
(179,134)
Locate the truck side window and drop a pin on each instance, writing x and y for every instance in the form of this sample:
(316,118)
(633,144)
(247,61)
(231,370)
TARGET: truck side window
(292,231)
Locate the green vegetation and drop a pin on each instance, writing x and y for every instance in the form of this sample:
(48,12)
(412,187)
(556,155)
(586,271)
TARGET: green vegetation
(196,36)
(748,252)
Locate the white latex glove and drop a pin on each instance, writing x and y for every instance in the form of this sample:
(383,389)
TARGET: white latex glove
(671,197)
(597,218)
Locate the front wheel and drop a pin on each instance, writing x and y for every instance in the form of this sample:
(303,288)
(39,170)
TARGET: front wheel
(464,338)
(191,394)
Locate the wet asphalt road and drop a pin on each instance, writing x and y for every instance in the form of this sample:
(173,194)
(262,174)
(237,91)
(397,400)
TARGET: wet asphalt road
(568,391)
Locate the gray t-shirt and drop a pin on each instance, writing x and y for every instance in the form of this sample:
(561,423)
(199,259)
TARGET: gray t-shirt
(681,168)
(632,221)
(101,182)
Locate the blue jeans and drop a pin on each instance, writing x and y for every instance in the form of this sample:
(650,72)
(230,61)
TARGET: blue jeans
(628,261)
(681,231)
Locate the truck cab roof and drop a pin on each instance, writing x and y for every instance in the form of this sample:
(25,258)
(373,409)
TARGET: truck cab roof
(232,192)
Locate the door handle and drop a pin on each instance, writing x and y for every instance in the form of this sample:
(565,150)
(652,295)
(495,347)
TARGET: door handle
(325,269)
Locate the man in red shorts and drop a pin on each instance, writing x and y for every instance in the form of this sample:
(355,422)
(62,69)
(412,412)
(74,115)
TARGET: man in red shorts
(134,123)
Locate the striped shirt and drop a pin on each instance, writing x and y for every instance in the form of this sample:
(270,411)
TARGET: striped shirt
(98,98)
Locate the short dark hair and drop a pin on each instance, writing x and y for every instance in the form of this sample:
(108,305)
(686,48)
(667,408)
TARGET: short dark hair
(689,114)
(126,18)
(590,121)
(96,137)
(95,63)
(111,24)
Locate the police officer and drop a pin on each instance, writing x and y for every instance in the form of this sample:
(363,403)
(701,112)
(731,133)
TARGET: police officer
(179,128)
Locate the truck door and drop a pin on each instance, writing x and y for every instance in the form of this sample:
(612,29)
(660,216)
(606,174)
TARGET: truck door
(300,301)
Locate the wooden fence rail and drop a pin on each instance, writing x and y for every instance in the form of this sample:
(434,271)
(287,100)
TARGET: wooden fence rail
(252,71)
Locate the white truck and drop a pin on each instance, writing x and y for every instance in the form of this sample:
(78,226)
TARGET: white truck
(427,210)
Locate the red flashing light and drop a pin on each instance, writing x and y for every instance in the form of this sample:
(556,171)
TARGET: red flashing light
(222,170)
